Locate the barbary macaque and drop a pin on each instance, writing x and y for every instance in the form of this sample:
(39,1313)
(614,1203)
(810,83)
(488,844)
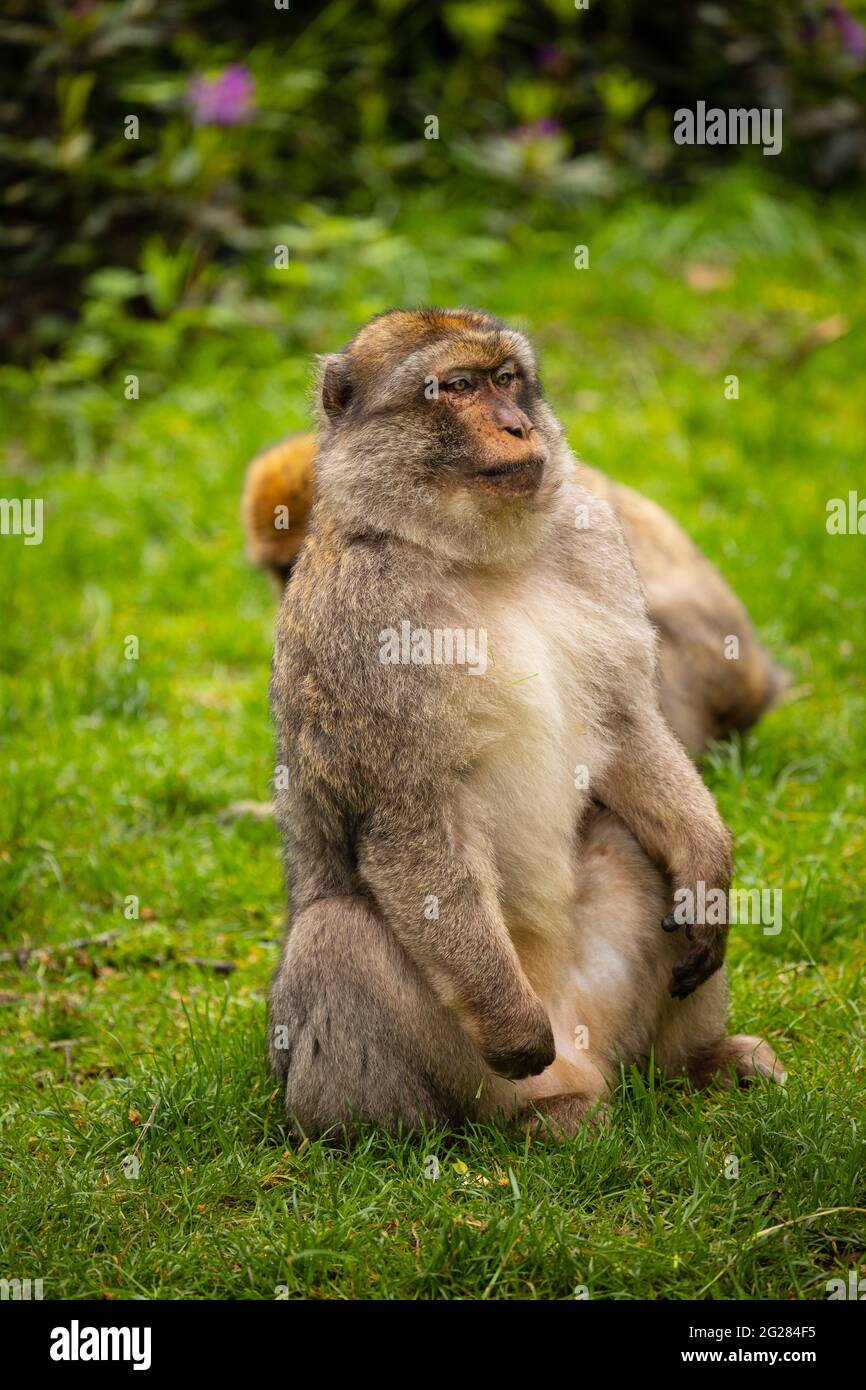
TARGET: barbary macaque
(716,677)
(482,864)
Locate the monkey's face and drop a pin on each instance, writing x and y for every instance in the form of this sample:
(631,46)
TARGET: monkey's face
(486,433)
(434,426)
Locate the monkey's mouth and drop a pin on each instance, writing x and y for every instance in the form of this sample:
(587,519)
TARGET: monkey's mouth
(515,468)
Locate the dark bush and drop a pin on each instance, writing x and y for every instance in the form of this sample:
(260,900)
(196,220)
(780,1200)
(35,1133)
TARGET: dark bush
(247,112)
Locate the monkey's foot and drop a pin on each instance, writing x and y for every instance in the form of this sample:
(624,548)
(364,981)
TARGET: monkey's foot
(736,1060)
(563,1117)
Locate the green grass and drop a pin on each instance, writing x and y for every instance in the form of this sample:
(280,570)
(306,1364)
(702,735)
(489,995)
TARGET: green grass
(115,774)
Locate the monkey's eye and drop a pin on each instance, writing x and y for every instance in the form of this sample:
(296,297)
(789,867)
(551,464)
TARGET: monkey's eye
(460,383)
(505,377)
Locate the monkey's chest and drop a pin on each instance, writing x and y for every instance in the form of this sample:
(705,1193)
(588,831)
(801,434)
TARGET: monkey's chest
(541,748)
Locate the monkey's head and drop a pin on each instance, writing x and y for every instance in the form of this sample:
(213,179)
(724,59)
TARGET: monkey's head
(433,426)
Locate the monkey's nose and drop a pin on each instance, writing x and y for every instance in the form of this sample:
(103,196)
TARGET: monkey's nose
(514,422)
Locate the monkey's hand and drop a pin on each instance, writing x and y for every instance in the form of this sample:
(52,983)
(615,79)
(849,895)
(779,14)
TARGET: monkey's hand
(657,791)
(701,907)
(705,956)
(521,1047)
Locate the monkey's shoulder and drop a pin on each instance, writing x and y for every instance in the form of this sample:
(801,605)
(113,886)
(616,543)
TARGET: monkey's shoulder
(347,589)
(591,554)
(369,644)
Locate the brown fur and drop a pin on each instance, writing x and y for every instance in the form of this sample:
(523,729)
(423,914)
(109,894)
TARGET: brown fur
(281,477)
(563,1117)
(704,694)
(543,966)
(735,1060)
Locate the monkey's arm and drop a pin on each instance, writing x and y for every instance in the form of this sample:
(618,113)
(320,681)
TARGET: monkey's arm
(654,787)
(438,896)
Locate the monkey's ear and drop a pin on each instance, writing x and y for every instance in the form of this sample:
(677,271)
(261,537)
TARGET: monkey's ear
(335,384)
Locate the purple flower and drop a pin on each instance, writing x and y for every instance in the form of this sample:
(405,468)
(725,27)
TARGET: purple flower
(226,99)
(852,34)
(550,58)
(536,130)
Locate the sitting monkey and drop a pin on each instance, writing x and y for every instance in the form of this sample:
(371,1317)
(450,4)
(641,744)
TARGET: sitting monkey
(707,690)
(480,864)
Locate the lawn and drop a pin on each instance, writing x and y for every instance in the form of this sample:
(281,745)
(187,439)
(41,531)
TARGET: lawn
(144,1152)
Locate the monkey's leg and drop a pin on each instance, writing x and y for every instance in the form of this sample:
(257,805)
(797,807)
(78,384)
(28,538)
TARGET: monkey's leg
(604,993)
(621,893)
(608,1001)
(356,1034)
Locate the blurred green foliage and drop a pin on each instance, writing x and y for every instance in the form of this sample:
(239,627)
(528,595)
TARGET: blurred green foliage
(156,152)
